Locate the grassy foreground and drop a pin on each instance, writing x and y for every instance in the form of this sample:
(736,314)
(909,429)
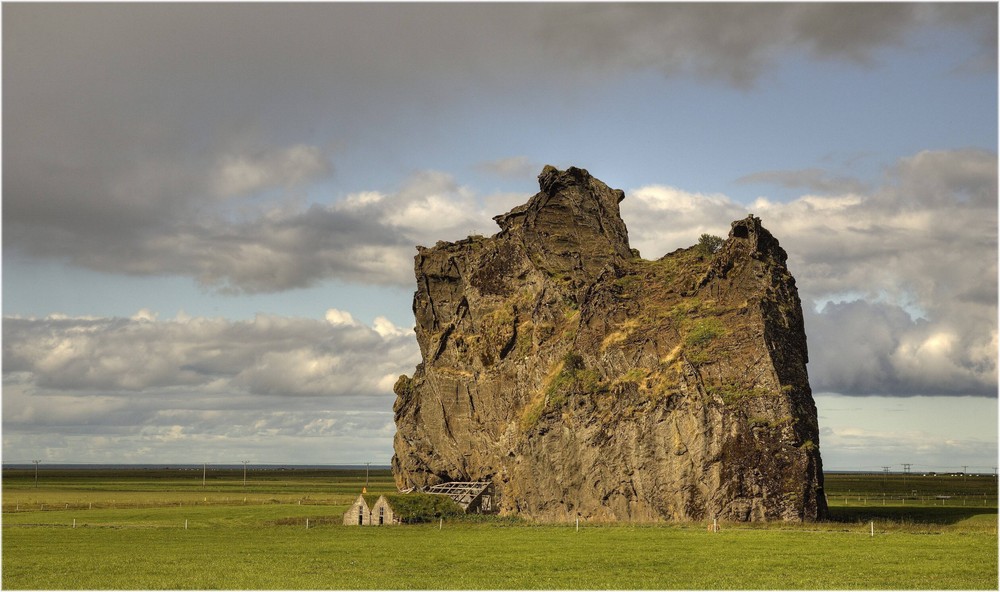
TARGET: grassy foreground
(262,543)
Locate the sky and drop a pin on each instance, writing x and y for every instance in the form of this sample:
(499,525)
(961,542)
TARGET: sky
(210,211)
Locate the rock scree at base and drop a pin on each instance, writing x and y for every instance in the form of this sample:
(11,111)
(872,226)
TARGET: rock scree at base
(587,382)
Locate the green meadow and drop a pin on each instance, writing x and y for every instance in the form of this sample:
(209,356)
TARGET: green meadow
(184,529)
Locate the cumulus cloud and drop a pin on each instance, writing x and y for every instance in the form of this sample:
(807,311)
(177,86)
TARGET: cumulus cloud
(368,237)
(339,317)
(898,282)
(176,427)
(662,218)
(387,328)
(240,174)
(430,203)
(196,382)
(865,348)
(270,355)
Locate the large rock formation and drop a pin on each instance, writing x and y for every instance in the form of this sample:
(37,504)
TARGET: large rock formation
(587,382)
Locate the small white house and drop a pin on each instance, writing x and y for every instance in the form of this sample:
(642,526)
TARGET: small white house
(371,511)
(360,513)
(383,513)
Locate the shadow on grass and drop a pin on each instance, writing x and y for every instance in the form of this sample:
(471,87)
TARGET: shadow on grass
(916,514)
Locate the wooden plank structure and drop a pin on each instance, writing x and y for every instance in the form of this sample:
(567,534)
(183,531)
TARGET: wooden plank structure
(475,497)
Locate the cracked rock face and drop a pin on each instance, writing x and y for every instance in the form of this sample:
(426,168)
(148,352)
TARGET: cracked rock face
(587,382)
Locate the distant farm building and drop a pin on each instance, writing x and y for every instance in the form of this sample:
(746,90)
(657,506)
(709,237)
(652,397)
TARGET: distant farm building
(360,512)
(383,512)
(439,501)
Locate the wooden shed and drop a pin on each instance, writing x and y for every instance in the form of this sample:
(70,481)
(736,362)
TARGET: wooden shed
(475,497)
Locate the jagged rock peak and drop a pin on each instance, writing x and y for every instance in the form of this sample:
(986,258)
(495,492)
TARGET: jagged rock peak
(551,179)
(577,182)
(573,224)
(751,236)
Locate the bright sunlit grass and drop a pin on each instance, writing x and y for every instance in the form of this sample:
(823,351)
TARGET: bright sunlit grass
(263,544)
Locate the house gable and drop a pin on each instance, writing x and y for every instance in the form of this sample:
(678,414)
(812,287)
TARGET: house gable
(359,514)
(383,513)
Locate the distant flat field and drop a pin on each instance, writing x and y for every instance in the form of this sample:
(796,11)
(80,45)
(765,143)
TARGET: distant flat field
(167,529)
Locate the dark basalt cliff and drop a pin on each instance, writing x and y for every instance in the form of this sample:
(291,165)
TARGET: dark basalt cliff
(587,382)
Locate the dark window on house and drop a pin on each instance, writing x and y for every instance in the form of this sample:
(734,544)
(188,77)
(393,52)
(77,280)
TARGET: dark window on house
(381,515)
(361,515)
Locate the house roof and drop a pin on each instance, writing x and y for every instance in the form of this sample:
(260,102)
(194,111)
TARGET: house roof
(421,507)
(369,498)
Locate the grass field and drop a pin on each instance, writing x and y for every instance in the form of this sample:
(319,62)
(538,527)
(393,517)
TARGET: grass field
(169,529)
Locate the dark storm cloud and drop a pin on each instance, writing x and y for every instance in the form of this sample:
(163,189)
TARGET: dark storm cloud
(367,237)
(737,43)
(133,131)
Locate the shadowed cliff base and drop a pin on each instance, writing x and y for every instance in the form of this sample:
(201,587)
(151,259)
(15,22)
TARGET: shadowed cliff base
(585,381)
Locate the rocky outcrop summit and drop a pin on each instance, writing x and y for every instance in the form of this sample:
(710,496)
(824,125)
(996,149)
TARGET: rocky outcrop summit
(585,381)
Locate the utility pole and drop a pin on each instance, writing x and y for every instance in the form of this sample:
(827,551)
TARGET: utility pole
(36,471)
(965,469)
(906,471)
(367,464)
(204,473)
(885,476)
(245,463)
